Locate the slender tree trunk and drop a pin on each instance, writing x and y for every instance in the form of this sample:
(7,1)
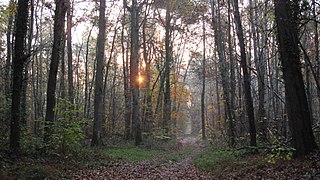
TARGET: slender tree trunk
(148,95)
(59,20)
(218,35)
(63,70)
(232,72)
(98,90)
(7,74)
(18,64)
(203,92)
(86,90)
(69,51)
(246,76)
(126,89)
(24,113)
(167,89)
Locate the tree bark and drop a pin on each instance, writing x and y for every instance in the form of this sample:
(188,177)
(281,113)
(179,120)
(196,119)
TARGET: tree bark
(218,35)
(69,52)
(59,20)
(246,76)
(203,92)
(134,72)
(148,95)
(86,90)
(168,59)
(98,89)
(126,90)
(7,74)
(18,64)
(297,105)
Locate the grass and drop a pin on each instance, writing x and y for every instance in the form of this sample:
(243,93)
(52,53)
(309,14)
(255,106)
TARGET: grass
(132,153)
(220,162)
(212,157)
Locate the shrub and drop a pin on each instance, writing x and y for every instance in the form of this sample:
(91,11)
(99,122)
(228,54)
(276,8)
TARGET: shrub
(280,152)
(67,130)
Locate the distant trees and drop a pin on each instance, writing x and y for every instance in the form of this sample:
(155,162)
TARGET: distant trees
(157,82)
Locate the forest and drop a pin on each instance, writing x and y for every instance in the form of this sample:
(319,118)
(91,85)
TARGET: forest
(159,89)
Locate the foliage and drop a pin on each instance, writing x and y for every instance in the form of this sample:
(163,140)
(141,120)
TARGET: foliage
(280,153)
(67,132)
(67,129)
(5,12)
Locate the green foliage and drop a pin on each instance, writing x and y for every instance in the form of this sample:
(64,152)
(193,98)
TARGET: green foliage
(5,12)
(212,157)
(67,130)
(132,153)
(30,142)
(280,153)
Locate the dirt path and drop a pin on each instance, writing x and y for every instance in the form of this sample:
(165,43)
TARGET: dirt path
(156,168)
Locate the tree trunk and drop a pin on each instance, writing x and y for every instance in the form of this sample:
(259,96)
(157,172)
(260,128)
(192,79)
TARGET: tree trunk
(246,76)
(126,90)
(86,90)
(7,74)
(63,70)
(59,20)
(18,64)
(24,113)
(203,92)
(167,90)
(134,72)
(148,95)
(69,52)
(297,105)
(218,35)
(316,46)
(98,89)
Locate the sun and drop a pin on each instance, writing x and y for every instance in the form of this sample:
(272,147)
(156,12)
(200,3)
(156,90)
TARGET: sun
(140,79)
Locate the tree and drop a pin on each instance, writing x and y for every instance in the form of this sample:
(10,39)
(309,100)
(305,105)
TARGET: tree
(246,76)
(58,33)
(98,90)
(9,51)
(134,71)
(203,92)
(286,12)
(125,72)
(218,35)
(18,64)
(168,57)
(69,51)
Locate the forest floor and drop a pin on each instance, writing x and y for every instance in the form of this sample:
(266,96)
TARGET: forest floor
(176,164)
(187,159)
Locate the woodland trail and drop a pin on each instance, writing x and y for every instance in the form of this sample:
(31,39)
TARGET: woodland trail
(157,168)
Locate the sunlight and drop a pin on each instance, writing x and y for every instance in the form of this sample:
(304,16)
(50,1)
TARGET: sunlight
(140,79)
